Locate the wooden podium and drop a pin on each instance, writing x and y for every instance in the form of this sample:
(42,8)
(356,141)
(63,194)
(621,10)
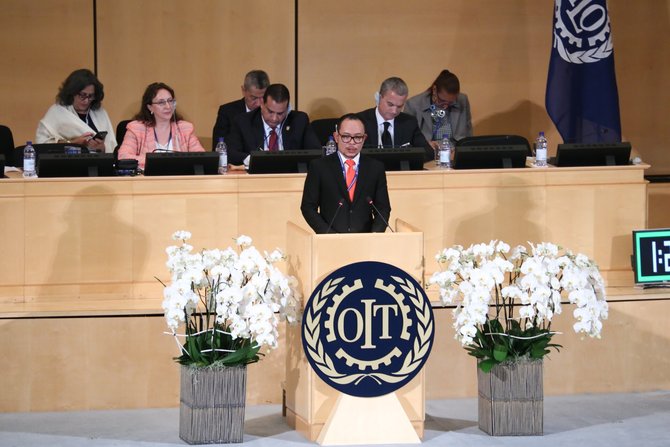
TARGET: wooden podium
(309,403)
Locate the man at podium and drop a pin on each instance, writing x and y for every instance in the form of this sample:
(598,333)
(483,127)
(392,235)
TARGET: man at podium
(346,192)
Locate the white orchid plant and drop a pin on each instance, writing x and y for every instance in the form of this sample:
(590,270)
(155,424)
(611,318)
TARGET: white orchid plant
(228,301)
(505,299)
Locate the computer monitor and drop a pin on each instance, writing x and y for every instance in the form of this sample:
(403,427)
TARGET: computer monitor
(282,162)
(46,148)
(494,140)
(490,157)
(181,163)
(651,256)
(399,159)
(598,154)
(75,165)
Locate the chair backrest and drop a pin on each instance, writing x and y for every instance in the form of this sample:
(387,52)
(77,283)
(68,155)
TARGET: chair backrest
(121,131)
(324,128)
(45,148)
(494,140)
(7,144)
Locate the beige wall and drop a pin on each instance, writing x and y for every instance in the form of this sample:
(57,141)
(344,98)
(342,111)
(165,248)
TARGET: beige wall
(500,50)
(37,52)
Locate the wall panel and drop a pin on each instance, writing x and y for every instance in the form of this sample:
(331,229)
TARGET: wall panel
(493,47)
(499,50)
(41,42)
(201,48)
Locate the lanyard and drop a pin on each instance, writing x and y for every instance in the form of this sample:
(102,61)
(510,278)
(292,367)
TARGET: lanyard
(167,146)
(437,119)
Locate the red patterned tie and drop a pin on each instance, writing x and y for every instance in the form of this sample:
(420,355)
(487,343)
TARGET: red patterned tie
(272,144)
(351,178)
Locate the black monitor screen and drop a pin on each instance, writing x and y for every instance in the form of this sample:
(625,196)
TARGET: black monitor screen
(75,165)
(46,148)
(490,157)
(181,163)
(282,162)
(399,159)
(600,154)
(494,140)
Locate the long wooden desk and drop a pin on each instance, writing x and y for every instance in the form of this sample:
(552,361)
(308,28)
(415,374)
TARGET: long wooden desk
(81,324)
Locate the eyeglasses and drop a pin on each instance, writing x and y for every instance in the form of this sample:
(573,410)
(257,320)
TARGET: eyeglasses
(441,102)
(86,96)
(165,102)
(346,138)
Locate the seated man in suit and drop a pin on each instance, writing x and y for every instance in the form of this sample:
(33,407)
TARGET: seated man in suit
(271,127)
(346,192)
(253,89)
(387,126)
(442,109)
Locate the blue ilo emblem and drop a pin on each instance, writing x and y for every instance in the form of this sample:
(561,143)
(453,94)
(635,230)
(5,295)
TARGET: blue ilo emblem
(367,329)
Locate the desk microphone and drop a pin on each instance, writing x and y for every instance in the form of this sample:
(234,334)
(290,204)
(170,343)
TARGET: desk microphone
(332,221)
(372,204)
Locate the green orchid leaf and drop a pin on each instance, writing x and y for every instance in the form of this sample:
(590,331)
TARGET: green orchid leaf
(487,365)
(500,352)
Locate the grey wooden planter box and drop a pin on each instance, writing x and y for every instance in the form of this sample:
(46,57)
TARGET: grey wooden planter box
(212,404)
(511,399)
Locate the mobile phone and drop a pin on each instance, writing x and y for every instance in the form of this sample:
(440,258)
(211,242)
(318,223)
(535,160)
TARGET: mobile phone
(100,135)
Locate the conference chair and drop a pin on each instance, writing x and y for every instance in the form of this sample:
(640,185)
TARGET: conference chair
(324,128)
(7,145)
(121,131)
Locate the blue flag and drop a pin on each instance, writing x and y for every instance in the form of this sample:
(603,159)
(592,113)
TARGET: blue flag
(582,98)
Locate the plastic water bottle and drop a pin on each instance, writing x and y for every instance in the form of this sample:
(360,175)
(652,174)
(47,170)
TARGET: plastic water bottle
(541,151)
(445,153)
(222,149)
(330,146)
(29,160)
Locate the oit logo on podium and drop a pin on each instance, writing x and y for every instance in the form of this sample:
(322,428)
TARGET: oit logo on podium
(368,329)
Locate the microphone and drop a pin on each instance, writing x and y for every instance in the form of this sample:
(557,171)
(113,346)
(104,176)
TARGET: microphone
(332,221)
(372,204)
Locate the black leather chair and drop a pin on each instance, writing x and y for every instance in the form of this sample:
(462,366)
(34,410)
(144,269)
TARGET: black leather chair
(7,145)
(494,140)
(324,128)
(121,131)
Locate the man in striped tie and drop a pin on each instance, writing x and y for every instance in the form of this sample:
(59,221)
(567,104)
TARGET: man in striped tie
(346,192)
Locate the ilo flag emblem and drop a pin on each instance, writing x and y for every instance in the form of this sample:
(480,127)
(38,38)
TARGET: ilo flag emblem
(367,329)
(582,97)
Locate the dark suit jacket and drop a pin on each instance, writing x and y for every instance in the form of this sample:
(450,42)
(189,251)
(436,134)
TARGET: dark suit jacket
(224,119)
(405,131)
(248,134)
(325,188)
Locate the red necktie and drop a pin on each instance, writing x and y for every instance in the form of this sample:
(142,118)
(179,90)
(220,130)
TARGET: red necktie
(272,144)
(351,178)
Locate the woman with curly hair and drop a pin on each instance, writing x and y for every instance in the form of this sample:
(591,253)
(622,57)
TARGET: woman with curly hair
(78,116)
